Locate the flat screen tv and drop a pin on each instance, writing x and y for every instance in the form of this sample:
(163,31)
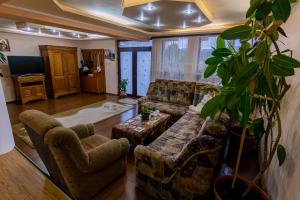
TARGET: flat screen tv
(25,65)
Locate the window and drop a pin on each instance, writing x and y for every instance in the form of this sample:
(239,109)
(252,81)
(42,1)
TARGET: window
(183,58)
(174,56)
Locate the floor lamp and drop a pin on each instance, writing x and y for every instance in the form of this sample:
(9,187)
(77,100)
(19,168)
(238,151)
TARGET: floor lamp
(6,137)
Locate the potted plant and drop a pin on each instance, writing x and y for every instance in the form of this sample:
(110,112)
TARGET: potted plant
(145,113)
(2,60)
(254,83)
(123,86)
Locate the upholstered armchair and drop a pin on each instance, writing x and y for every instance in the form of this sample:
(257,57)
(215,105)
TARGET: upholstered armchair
(81,162)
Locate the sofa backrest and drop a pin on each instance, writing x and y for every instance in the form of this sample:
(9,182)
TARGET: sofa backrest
(171,91)
(202,89)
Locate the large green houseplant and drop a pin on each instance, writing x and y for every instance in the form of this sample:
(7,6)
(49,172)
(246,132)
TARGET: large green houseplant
(254,79)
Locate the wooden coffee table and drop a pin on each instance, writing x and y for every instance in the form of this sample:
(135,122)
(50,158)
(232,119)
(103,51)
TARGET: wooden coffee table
(138,131)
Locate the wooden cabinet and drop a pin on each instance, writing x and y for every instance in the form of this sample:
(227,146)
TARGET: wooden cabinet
(61,69)
(29,88)
(95,82)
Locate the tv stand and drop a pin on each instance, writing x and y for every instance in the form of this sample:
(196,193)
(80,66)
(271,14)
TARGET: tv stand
(30,88)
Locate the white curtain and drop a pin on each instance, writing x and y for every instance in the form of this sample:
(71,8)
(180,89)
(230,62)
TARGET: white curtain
(182,58)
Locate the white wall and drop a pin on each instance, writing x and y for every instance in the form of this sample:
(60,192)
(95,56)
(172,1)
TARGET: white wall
(282,183)
(111,67)
(26,45)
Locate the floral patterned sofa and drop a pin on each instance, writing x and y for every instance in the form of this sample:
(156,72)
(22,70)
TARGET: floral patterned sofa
(180,164)
(174,97)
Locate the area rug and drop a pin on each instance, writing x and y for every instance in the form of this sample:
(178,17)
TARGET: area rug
(92,113)
(129,101)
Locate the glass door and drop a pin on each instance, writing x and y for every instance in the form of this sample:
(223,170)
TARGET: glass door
(135,66)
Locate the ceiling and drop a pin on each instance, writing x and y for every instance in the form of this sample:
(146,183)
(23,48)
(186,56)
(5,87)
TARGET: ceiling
(106,17)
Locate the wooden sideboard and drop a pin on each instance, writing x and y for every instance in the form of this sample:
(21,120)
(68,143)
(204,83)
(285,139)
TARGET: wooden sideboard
(30,88)
(92,84)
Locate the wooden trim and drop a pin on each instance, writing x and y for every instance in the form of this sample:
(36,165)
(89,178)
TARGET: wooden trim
(3,1)
(19,14)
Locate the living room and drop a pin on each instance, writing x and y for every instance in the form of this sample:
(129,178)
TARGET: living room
(124,99)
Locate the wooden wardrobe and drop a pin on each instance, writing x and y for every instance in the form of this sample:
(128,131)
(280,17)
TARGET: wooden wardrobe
(61,70)
(95,81)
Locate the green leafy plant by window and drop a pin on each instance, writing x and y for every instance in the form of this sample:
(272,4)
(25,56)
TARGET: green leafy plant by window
(123,85)
(254,77)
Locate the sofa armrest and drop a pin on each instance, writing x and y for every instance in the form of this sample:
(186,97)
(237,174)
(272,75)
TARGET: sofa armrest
(201,145)
(107,153)
(153,163)
(83,130)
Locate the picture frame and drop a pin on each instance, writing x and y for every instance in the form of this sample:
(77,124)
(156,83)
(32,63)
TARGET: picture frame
(4,45)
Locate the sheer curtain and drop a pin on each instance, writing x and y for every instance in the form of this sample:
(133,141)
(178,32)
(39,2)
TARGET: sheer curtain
(182,58)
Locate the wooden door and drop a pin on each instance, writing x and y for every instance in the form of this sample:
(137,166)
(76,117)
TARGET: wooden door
(59,82)
(71,71)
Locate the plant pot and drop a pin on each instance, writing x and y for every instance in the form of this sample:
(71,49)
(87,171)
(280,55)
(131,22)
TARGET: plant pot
(250,142)
(223,191)
(145,116)
(123,94)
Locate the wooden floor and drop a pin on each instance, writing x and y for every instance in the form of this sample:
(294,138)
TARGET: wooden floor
(28,183)
(124,187)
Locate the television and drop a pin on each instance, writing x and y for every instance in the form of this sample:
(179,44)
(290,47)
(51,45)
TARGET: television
(25,65)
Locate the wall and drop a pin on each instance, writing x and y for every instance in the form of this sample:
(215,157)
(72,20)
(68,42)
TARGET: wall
(282,183)
(111,67)
(26,45)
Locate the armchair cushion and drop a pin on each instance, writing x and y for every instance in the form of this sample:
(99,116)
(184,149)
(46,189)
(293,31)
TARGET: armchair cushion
(93,141)
(83,130)
(107,153)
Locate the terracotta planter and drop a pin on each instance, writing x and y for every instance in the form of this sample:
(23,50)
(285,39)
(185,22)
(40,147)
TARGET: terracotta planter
(223,182)
(123,94)
(250,142)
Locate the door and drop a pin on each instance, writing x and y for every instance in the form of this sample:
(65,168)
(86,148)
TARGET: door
(60,84)
(71,71)
(135,66)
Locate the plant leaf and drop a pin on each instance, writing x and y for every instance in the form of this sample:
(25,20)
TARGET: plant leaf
(282,71)
(281,9)
(260,52)
(253,6)
(245,104)
(286,61)
(281,154)
(237,32)
(281,31)
(258,128)
(211,107)
(247,72)
(220,42)
(210,70)
(213,60)
(263,11)
(222,52)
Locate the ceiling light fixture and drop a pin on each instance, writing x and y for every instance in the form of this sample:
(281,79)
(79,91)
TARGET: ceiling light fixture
(78,36)
(141,18)
(158,24)
(199,19)
(54,31)
(28,29)
(149,7)
(189,10)
(184,25)
(74,34)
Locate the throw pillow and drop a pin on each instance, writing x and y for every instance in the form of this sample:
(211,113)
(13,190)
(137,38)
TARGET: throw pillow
(197,109)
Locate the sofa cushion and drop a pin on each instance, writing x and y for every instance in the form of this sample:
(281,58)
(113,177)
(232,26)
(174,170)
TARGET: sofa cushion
(201,89)
(172,109)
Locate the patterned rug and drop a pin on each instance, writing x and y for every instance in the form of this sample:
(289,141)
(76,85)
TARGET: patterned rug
(129,101)
(92,113)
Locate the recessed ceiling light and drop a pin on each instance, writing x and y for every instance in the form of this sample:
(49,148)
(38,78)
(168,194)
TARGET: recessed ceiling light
(141,18)
(189,10)
(74,34)
(149,7)
(78,36)
(199,19)
(28,29)
(54,30)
